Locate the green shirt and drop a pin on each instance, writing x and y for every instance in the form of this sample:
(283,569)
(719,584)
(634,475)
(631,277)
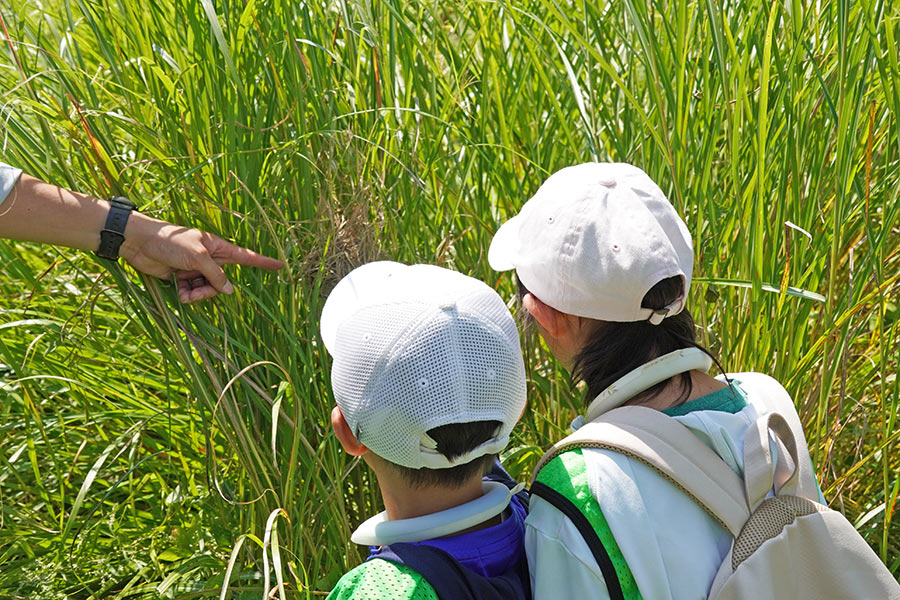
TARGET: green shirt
(379,579)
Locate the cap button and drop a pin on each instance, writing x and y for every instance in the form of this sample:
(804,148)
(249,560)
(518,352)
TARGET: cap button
(607,181)
(448,306)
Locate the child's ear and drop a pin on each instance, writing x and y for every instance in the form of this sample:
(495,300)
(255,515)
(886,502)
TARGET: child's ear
(345,435)
(553,322)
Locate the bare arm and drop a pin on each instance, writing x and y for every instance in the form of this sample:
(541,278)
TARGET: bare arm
(36,211)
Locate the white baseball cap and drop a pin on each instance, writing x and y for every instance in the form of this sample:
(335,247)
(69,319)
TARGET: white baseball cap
(592,242)
(417,347)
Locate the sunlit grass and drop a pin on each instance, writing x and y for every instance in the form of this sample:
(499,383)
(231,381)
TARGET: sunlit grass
(333,134)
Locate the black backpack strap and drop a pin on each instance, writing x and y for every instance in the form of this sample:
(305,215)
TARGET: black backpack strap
(563,505)
(452,581)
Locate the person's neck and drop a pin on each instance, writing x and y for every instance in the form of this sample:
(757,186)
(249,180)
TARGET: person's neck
(701,385)
(404,501)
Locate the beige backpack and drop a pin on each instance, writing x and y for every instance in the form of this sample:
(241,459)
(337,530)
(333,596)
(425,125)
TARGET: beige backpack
(786,546)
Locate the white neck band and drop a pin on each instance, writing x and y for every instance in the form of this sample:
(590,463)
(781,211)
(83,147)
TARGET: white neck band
(643,378)
(379,531)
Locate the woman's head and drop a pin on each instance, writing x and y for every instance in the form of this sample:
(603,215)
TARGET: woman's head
(604,264)
(601,352)
(594,240)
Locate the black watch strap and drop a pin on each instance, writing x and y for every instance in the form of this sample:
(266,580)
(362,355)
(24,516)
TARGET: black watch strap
(113,233)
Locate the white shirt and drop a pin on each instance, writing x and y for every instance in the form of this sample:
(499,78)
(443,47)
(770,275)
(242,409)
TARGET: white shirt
(672,547)
(8,178)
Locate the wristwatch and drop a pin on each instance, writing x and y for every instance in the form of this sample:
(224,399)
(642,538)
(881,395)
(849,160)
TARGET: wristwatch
(113,233)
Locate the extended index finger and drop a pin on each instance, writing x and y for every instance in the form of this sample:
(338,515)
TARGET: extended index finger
(236,255)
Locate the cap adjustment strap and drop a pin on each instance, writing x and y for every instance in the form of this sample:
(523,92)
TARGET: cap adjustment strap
(430,458)
(658,315)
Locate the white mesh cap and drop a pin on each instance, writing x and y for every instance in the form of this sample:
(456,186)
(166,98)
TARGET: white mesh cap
(417,347)
(593,240)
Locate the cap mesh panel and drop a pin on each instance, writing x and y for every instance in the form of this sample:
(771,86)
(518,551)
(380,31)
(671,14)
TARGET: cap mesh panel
(361,346)
(403,369)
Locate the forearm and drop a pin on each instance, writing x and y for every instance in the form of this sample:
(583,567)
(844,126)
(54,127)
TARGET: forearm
(39,212)
(35,211)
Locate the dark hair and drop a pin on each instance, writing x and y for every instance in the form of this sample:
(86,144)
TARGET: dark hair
(455,439)
(616,348)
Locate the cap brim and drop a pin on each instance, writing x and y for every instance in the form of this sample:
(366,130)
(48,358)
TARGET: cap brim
(505,246)
(360,287)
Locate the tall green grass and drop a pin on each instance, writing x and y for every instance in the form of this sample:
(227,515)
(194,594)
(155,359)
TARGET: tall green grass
(155,449)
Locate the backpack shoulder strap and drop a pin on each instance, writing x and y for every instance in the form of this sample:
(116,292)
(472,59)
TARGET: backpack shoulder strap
(768,395)
(670,449)
(761,471)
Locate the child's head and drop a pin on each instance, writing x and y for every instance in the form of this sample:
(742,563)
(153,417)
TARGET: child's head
(604,265)
(427,373)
